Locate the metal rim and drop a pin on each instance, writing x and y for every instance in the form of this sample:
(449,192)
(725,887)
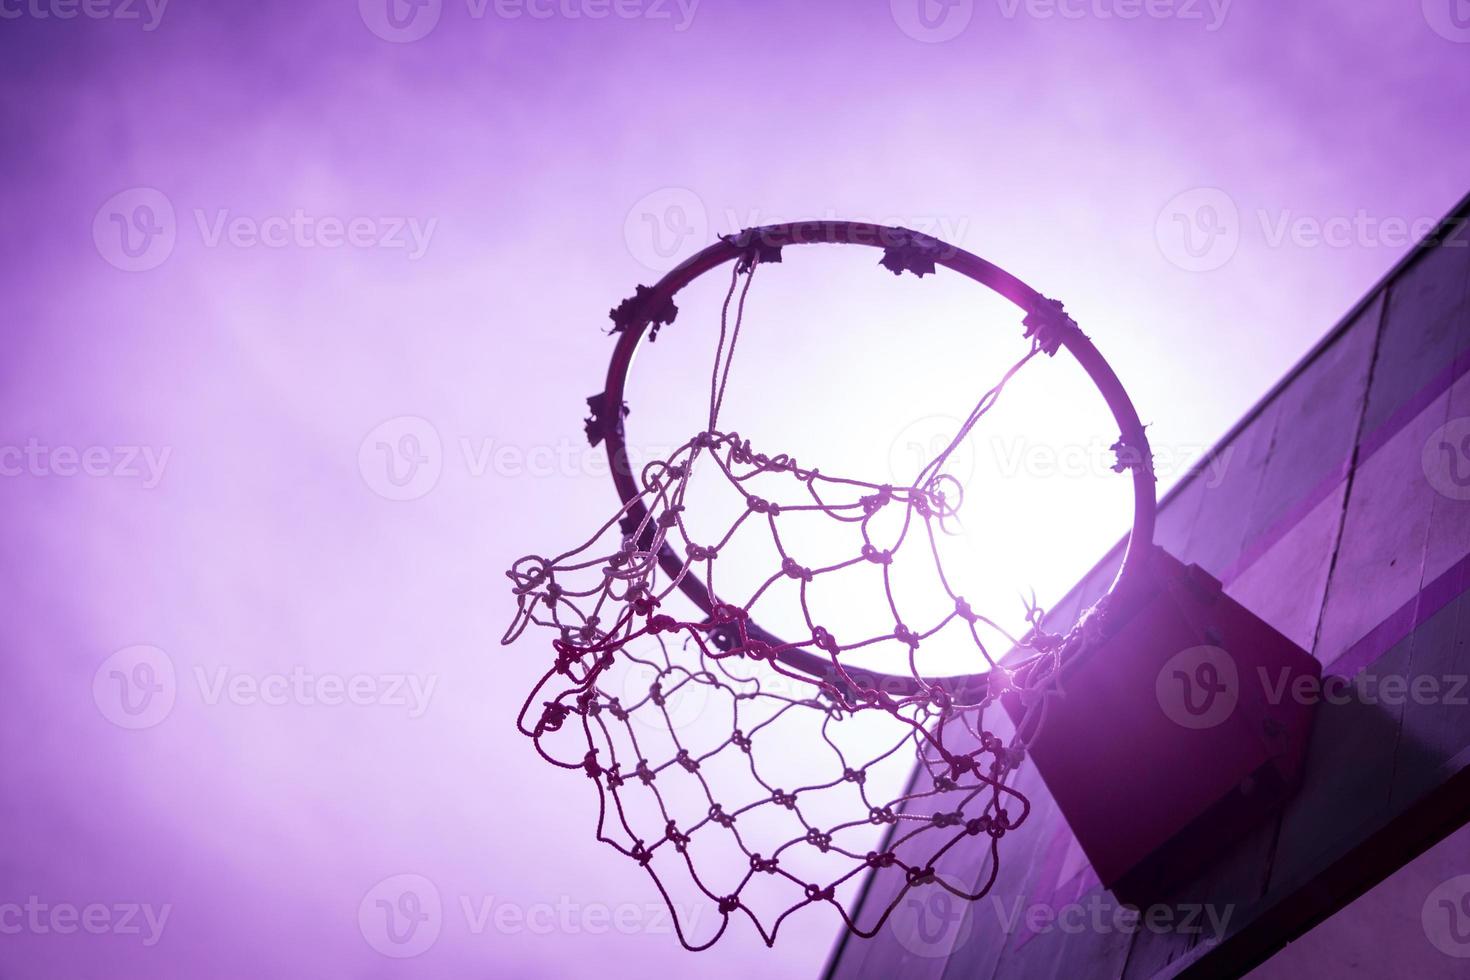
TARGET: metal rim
(903,246)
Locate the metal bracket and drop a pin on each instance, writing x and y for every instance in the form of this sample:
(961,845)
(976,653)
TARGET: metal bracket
(625,314)
(755,248)
(1131,458)
(911,252)
(1049,324)
(603,423)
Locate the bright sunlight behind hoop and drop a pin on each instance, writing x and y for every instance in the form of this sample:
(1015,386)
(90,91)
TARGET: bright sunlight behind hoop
(859,373)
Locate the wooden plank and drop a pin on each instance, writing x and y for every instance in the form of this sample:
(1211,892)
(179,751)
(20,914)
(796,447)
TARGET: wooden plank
(1422,336)
(1218,536)
(1318,427)
(1380,559)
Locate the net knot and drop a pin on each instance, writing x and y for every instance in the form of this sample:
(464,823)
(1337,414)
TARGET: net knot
(641,854)
(672,834)
(644,773)
(918,876)
(819,840)
(824,640)
(718,815)
(977,826)
(614,777)
(689,763)
(762,506)
(729,904)
(962,609)
(782,798)
(816,894)
(858,776)
(590,766)
(906,636)
(740,740)
(875,502)
(881,815)
(552,716)
(766,865)
(662,624)
(880,859)
(945,819)
(876,556)
(757,650)
(793,570)
(566,656)
(698,552)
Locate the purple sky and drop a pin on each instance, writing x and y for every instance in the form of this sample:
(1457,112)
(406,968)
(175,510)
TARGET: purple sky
(347,229)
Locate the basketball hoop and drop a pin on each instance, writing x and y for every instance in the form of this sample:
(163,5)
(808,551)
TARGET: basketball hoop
(610,602)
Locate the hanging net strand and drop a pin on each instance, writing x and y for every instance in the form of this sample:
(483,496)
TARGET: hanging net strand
(626,666)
